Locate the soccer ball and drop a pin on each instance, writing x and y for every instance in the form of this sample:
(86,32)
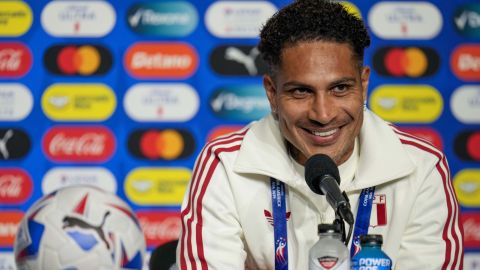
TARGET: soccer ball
(79,227)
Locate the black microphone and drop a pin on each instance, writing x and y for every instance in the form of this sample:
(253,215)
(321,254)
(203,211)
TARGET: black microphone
(322,176)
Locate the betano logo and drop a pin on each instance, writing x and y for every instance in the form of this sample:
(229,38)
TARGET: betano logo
(405,20)
(79,144)
(465,62)
(15,59)
(467,20)
(467,186)
(165,102)
(161,60)
(238,19)
(78,18)
(76,59)
(407,103)
(157,186)
(15,18)
(240,102)
(16,102)
(60,177)
(467,145)
(156,144)
(168,19)
(78,102)
(465,104)
(9,222)
(410,62)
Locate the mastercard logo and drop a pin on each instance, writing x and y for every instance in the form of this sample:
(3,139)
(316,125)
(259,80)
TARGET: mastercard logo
(410,62)
(78,60)
(165,144)
(467,145)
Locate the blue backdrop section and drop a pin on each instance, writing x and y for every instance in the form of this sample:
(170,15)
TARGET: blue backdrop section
(206,82)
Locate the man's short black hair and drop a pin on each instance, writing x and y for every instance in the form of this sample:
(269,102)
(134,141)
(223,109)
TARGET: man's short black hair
(311,20)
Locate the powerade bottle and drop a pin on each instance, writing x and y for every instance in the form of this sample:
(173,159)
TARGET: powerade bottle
(329,252)
(371,255)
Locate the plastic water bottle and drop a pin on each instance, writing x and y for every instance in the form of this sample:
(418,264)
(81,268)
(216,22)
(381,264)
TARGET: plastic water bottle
(329,252)
(371,255)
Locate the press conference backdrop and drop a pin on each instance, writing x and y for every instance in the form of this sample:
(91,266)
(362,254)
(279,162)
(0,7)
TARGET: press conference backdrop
(123,95)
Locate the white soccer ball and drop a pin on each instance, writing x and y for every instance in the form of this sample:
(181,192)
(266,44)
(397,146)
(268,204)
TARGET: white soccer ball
(79,228)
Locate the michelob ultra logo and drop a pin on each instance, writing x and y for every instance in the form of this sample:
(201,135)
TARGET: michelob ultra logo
(467,186)
(15,18)
(82,60)
(465,61)
(405,20)
(407,103)
(161,60)
(161,102)
(170,19)
(156,144)
(78,18)
(465,104)
(467,20)
(410,62)
(78,102)
(157,186)
(240,102)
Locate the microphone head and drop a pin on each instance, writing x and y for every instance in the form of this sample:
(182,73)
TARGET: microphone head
(318,166)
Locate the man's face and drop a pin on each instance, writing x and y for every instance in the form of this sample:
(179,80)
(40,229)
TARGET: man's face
(318,95)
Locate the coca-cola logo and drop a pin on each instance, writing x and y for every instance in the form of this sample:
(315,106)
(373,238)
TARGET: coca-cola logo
(471,229)
(79,144)
(15,59)
(159,227)
(15,186)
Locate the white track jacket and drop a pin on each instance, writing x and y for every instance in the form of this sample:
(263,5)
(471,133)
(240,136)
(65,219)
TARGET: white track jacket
(226,220)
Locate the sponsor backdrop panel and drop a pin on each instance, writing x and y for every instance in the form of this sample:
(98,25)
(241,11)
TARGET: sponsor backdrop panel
(123,94)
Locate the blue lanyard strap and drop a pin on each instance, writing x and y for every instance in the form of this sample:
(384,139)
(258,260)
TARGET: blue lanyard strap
(279,224)
(362,222)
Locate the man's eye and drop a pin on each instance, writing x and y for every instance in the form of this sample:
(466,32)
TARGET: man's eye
(341,88)
(300,92)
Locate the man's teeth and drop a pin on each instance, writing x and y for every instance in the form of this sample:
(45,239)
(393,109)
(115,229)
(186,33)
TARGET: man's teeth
(324,134)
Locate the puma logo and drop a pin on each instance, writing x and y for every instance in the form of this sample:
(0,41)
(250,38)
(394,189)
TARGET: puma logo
(70,222)
(3,143)
(248,61)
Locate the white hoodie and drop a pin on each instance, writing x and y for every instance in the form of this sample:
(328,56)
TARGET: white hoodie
(226,212)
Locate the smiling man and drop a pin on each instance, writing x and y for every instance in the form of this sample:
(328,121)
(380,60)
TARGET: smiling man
(248,205)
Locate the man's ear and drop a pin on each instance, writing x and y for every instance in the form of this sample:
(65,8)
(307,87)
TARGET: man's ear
(271,92)
(365,78)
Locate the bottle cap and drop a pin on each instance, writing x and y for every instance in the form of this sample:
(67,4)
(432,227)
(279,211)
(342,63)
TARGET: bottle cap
(375,239)
(332,228)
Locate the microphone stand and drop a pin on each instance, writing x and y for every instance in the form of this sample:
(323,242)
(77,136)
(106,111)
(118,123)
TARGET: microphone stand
(340,222)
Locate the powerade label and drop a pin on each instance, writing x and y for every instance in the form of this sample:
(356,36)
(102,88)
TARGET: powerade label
(371,259)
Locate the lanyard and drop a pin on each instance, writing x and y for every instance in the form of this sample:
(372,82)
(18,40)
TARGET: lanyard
(279,224)
(362,222)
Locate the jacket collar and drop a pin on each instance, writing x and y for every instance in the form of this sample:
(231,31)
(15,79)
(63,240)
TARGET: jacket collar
(382,156)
